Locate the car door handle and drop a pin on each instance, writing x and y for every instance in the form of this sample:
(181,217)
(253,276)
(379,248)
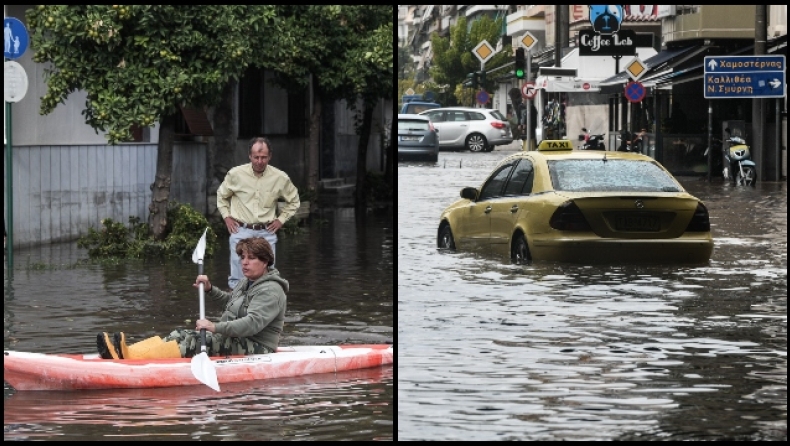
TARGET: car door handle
(488,209)
(514,209)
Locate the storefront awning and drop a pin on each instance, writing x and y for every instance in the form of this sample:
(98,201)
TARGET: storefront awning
(680,65)
(658,66)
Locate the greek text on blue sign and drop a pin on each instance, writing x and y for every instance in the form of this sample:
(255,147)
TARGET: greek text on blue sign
(744,77)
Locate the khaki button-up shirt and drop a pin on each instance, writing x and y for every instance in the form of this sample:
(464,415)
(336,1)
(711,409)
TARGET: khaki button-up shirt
(253,199)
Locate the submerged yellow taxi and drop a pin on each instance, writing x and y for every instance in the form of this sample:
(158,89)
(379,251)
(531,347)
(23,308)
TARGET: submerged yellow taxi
(564,205)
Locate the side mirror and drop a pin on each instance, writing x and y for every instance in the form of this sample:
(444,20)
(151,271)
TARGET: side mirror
(470,193)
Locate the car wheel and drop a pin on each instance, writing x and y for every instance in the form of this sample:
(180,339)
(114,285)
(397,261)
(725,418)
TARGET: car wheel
(476,142)
(519,252)
(446,240)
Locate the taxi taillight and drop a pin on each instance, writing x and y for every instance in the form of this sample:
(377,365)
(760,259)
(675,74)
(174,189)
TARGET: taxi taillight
(568,217)
(700,222)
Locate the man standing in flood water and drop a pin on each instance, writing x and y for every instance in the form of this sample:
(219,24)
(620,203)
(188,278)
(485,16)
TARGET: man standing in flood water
(247,200)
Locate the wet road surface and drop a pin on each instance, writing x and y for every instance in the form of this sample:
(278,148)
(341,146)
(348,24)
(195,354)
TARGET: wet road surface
(494,351)
(340,274)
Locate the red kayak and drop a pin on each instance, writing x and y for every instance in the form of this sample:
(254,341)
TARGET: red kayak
(38,371)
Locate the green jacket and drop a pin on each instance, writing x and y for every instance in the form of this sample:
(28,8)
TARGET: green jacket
(257,312)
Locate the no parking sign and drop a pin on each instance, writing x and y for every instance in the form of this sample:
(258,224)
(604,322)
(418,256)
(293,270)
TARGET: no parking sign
(635,92)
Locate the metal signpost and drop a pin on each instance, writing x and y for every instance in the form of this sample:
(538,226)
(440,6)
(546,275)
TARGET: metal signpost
(529,41)
(14,88)
(483,51)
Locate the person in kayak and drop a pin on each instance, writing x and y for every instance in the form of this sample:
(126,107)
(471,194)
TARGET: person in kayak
(251,323)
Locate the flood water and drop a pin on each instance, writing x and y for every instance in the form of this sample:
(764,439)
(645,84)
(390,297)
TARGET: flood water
(340,274)
(494,351)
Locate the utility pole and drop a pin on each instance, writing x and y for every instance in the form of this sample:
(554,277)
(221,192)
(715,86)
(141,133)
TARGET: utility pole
(758,104)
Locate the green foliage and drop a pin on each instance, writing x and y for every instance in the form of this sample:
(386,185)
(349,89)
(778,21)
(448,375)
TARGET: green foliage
(116,240)
(348,48)
(453,58)
(292,227)
(306,194)
(138,63)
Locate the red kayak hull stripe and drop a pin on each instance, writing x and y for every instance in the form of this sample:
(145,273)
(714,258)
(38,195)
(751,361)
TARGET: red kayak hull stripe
(37,371)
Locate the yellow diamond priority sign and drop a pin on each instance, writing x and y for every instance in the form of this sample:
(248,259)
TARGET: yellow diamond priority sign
(636,69)
(483,51)
(528,40)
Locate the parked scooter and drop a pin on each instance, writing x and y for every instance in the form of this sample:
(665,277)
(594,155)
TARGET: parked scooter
(594,142)
(738,165)
(629,143)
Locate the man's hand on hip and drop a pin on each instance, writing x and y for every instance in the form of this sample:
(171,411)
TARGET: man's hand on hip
(233,225)
(274,226)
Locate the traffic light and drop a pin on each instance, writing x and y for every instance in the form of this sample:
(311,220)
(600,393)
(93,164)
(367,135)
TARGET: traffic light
(481,78)
(471,80)
(520,69)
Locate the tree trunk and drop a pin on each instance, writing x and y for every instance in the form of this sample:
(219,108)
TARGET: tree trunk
(160,189)
(225,132)
(362,156)
(313,148)
(222,149)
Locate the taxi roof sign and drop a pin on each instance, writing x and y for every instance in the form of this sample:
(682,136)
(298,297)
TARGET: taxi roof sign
(548,145)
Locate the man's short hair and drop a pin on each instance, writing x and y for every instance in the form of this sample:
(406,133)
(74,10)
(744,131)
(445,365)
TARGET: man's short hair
(260,139)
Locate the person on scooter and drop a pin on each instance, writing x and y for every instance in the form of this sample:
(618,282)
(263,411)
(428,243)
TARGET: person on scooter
(625,141)
(636,143)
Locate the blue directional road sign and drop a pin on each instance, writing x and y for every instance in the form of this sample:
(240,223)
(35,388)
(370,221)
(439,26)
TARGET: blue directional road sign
(745,77)
(15,38)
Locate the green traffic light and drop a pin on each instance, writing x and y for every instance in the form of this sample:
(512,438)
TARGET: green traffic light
(520,74)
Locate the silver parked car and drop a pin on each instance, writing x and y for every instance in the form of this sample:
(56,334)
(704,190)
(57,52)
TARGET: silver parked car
(475,129)
(417,138)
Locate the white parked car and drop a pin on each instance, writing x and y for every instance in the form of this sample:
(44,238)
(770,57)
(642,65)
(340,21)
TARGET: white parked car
(475,129)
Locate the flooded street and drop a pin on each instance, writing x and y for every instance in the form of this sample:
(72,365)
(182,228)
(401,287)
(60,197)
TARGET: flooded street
(489,350)
(340,275)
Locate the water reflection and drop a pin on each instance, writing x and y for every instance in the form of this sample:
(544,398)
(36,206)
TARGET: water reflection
(549,351)
(340,273)
(266,410)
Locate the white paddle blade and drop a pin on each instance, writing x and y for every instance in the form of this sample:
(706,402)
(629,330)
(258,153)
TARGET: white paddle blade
(200,249)
(204,370)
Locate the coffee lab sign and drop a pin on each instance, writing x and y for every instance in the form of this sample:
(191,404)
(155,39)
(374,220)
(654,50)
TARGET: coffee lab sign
(606,38)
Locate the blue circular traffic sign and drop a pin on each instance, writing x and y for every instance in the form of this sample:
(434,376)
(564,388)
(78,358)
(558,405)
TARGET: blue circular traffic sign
(635,92)
(15,37)
(482,97)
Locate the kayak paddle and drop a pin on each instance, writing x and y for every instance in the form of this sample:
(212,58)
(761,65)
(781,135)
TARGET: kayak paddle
(202,367)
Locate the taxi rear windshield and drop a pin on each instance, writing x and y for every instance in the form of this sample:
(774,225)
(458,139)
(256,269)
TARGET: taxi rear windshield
(610,176)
